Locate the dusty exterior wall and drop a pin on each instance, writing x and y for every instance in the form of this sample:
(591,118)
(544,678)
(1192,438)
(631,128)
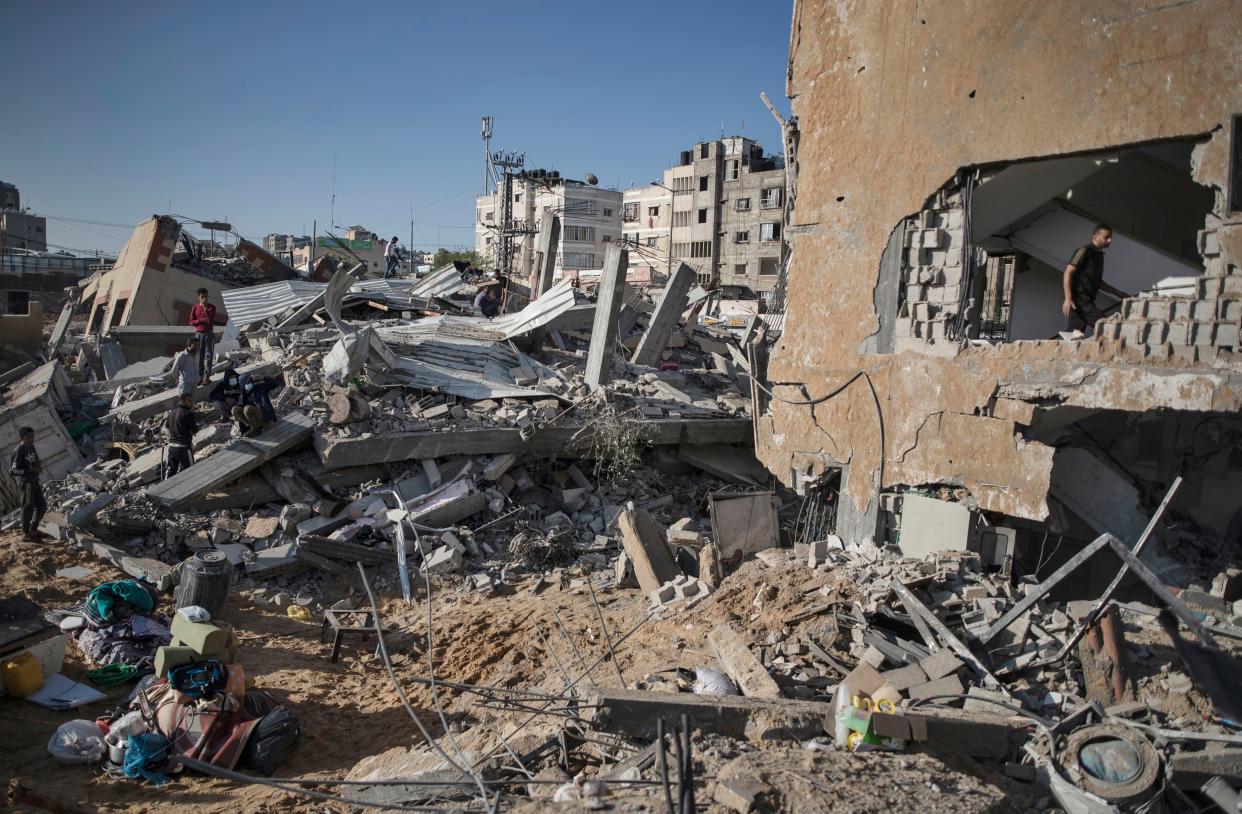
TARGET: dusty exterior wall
(23,331)
(892,100)
(142,288)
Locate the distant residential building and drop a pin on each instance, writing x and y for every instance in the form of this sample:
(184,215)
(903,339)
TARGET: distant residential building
(357,241)
(283,244)
(720,210)
(590,219)
(18,229)
(10,196)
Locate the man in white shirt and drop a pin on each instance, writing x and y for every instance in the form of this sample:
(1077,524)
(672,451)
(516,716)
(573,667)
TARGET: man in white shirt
(184,370)
(392,258)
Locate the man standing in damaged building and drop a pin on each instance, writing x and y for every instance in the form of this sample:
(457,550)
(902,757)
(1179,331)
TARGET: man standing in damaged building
(1084,277)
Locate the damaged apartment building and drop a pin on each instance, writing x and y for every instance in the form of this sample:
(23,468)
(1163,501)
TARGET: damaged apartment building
(942,185)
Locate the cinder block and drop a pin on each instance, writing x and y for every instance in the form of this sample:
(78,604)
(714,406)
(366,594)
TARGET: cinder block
(940,664)
(949,685)
(1203,310)
(1226,334)
(903,678)
(1157,331)
(1202,333)
(1179,333)
(1159,309)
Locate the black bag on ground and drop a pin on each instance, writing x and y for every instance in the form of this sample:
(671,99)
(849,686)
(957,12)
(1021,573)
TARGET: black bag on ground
(271,742)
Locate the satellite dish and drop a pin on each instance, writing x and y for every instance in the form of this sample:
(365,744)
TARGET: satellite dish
(591,179)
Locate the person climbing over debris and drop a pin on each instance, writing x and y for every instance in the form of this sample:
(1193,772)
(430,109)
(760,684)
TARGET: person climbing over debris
(227,394)
(1083,279)
(203,320)
(255,411)
(184,370)
(25,468)
(392,256)
(181,428)
(487,301)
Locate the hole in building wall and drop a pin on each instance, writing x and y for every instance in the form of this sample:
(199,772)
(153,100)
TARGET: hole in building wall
(1111,471)
(985,257)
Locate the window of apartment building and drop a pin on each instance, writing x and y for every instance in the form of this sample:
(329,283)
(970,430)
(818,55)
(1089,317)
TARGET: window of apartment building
(681,218)
(489,216)
(19,302)
(701,248)
(684,183)
(579,206)
(703,215)
(606,239)
(733,169)
(768,266)
(702,183)
(704,150)
(652,241)
(743,204)
(741,237)
(653,211)
(739,269)
(681,249)
(769,232)
(771,198)
(517,197)
(579,260)
(586,233)
(630,212)
(607,211)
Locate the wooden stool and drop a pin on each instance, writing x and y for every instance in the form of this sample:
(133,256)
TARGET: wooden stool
(336,619)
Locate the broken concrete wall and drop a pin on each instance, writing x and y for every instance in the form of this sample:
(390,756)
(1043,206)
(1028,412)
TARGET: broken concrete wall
(143,288)
(892,100)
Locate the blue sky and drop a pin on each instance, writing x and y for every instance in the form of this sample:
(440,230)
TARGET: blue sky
(227,109)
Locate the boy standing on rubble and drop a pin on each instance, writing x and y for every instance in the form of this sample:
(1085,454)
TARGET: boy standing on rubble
(181,428)
(203,319)
(25,467)
(184,370)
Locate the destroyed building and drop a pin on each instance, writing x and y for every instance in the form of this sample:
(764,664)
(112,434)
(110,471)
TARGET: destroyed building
(482,563)
(940,192)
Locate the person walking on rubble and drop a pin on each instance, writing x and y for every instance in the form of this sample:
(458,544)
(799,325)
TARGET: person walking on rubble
(203,320)
(181,428)
(25,468)
(392,258)
(1083,279)
(184,370)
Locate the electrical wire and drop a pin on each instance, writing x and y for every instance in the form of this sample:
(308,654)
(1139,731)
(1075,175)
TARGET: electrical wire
(405,701)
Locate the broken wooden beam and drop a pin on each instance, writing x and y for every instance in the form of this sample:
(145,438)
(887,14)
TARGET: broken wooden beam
(235,460)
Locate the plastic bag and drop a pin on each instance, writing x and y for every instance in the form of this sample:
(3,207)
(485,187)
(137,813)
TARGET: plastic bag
(712,682)
(130,723)
(271,742)
(77,741)
(194,613)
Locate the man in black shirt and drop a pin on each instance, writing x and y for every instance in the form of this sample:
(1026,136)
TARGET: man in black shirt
(181,428)
(25,468)
(1084,277)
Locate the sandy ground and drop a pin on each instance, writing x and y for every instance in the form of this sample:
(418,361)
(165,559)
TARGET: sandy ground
(349,710)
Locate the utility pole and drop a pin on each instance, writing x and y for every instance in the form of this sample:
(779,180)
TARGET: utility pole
(411,237)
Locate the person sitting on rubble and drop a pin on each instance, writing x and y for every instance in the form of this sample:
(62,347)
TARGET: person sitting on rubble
(255,411)
(181,428)
(487,301)
(227,394)
(184,370)
(25,468)
(1083,279)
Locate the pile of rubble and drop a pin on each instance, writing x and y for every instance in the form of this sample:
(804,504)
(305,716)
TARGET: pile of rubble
(553,446)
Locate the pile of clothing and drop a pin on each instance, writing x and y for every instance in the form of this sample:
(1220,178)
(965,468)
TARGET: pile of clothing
(120,626)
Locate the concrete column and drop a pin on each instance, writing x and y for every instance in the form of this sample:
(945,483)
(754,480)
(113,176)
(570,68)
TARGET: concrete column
(607,307)
(666,316)
(544,268)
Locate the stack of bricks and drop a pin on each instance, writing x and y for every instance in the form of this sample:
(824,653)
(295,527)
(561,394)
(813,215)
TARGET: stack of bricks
(931,269)
(1190,328)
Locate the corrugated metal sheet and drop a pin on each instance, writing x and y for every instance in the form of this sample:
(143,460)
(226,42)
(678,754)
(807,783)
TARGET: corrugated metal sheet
(258,302)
